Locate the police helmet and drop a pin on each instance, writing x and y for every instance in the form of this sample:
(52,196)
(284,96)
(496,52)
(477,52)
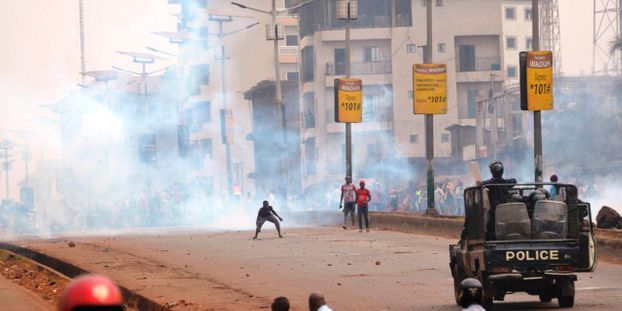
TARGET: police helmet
(471,292)
(537,195)
(496,168)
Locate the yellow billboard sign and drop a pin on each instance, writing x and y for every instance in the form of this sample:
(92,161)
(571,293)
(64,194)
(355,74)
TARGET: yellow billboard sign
(430,89)
(536,80)
(348,100)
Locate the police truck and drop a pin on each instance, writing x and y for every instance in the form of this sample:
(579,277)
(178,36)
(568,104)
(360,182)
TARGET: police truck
(529,242)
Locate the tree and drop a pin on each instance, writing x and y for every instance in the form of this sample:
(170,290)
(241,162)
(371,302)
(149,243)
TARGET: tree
(615,45)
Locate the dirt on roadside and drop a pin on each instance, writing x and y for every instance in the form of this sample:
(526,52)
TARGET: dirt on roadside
(41,281)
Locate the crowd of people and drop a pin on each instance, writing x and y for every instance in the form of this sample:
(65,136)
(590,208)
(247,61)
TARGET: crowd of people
(448,196)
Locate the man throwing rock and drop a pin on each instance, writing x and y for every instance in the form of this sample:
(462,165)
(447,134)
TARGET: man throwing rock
(267,213)
(348,197)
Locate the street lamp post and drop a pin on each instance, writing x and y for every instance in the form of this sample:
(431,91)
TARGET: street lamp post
(5,146)
(347,10)
(221,19)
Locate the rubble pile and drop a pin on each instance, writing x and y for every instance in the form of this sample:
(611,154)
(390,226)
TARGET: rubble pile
(608,218)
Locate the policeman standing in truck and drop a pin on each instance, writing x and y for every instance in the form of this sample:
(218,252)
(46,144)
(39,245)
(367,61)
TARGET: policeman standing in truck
(497,194)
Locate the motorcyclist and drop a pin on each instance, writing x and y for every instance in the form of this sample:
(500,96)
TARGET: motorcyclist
(91,292)
(498,192)
(471,295)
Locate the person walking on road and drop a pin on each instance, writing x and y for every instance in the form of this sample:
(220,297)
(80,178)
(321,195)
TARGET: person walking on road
(267,213)
(347,201)
(363,196)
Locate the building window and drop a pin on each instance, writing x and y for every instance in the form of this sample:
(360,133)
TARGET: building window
(511,71)
(206,148)
(371,54)
(307,64)
(291,40)
(293,76)
(339,56)
(510,13)
(202,149)
(510,43)
(373,151)
(378,105)
(472,103)
(466,56)
(527,14)
(439,3)
(310,160)
(198,75)
(528,43)
(441,47)
(444,138)
(414,138)
(308,106)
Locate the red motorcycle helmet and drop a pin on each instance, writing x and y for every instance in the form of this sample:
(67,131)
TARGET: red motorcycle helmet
(362,182)
(91,292)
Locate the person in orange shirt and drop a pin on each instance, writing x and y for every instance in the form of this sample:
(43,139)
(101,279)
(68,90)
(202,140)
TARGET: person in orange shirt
(363,196)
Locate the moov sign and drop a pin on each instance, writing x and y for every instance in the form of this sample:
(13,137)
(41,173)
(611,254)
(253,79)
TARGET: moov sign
(430,89)
(348,100)
(536,80)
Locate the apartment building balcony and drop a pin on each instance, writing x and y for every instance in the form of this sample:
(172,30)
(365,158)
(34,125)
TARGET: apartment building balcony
(477,69)
(360,68)
(375,72)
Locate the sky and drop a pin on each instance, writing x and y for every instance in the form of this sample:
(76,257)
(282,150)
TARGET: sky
(40,54)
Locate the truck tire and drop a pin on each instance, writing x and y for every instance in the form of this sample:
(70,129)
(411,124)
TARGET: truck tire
(566,301)
(487,303)
(545,298)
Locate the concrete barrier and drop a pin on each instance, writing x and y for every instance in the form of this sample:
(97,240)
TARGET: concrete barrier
(136,300)
(609,242)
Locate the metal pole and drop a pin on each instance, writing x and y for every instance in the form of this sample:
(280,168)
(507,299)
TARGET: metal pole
(348,73)
(429,118)
(537,115)
(82,44)
(221,35)
(6,170)
(279,101)
(493,117)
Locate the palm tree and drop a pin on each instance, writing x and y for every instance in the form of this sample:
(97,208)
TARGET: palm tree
(615,45)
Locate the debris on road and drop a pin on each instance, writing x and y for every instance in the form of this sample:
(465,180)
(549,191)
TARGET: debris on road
(608,218)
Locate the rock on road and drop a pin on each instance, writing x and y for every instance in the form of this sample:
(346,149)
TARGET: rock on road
(380,270)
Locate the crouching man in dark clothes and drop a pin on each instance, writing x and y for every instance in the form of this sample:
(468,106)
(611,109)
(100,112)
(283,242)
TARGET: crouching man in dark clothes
(267,213)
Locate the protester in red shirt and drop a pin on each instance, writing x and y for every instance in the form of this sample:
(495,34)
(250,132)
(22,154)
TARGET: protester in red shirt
(363,196)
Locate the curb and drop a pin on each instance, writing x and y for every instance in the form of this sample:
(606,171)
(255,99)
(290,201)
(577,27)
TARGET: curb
(69,270)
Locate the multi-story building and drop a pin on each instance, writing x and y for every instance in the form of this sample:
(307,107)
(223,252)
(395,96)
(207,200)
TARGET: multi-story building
(471,37)
(248,59)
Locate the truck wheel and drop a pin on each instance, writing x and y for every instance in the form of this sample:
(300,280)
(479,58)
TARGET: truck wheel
(566,301)
(545,298)
(487,303)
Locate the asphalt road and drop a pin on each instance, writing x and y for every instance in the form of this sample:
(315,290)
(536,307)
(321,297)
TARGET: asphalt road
(380,270)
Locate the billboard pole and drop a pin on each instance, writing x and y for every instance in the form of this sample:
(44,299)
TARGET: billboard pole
(348,74)
(429,118)
(537,115)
